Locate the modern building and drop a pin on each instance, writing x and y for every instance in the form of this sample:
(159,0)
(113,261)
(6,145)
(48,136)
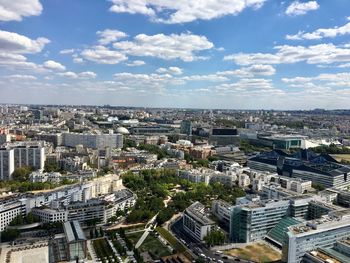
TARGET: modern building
(196,222)
(311,235)
(186,127)
(305,164)
(76,241)
(7,163)
(252,221)
(223,136)
(95,141)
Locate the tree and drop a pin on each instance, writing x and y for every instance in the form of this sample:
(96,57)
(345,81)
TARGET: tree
(91,234)
(9,235)
(22,174)
(215,237)
(318,187)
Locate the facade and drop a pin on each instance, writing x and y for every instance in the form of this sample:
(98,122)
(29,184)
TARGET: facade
(222,211)
(7,164)
(10,210)
(195,221)
(186,127)
(306,165)
(30,156)
(253,221)
(76,241)
(95,141)
(309,236)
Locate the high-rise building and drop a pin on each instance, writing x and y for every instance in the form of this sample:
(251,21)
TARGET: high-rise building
(7,164)
(31,156)
(186,127)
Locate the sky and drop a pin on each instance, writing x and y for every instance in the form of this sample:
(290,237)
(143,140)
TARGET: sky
(222,54)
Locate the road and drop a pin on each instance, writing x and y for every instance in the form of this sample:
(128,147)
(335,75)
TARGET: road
(199,248)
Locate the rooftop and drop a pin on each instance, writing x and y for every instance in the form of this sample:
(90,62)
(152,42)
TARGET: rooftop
(197,211)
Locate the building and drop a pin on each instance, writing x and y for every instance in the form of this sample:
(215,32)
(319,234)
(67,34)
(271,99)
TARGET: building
(7,163)
(283,142)
(196,222)
(305,164)
(48,215)
(222,211)
(95,141)
(311,235)
(252,221)
(29,156)
(186,127)
(9,210)
(76,241)
(223,136)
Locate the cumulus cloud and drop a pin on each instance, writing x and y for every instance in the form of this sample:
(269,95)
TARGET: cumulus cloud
(170,70)
(67,51)
(183,46)
(81,75)
(321,33)
(110,35)
(103,55)
(21,77)
(297,8)
(254,70)
(136,63)
(183,11)
(15,10)
(286,54)
(16,43)
(50,64)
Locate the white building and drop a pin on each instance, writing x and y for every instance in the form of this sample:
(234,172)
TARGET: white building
(320,233)
(195,221)
(30,156)
(10,210)
(7,164)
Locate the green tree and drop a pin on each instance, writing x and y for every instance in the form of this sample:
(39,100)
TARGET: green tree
(22,174)
(9,235)
(215,237)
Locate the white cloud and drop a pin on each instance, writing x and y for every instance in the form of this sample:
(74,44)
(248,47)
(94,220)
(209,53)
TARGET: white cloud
(110,35)
(183,46)
(321,33)
(81,75)
(15,10)
(16,43)
(316,54)
(183,11)
(136,63)
(103,55)
(21,77)
(67,51)
(325,80)
(87,75)
(297,8)
(50,64)
(156,81)
(170,70)
(209,77)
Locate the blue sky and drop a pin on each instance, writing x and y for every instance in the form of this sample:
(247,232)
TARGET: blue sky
(237,54)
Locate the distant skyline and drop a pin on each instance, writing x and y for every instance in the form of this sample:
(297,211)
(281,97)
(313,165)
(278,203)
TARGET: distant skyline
(222,54)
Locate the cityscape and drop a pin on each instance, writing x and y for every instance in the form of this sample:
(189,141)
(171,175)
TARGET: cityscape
(174,131)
